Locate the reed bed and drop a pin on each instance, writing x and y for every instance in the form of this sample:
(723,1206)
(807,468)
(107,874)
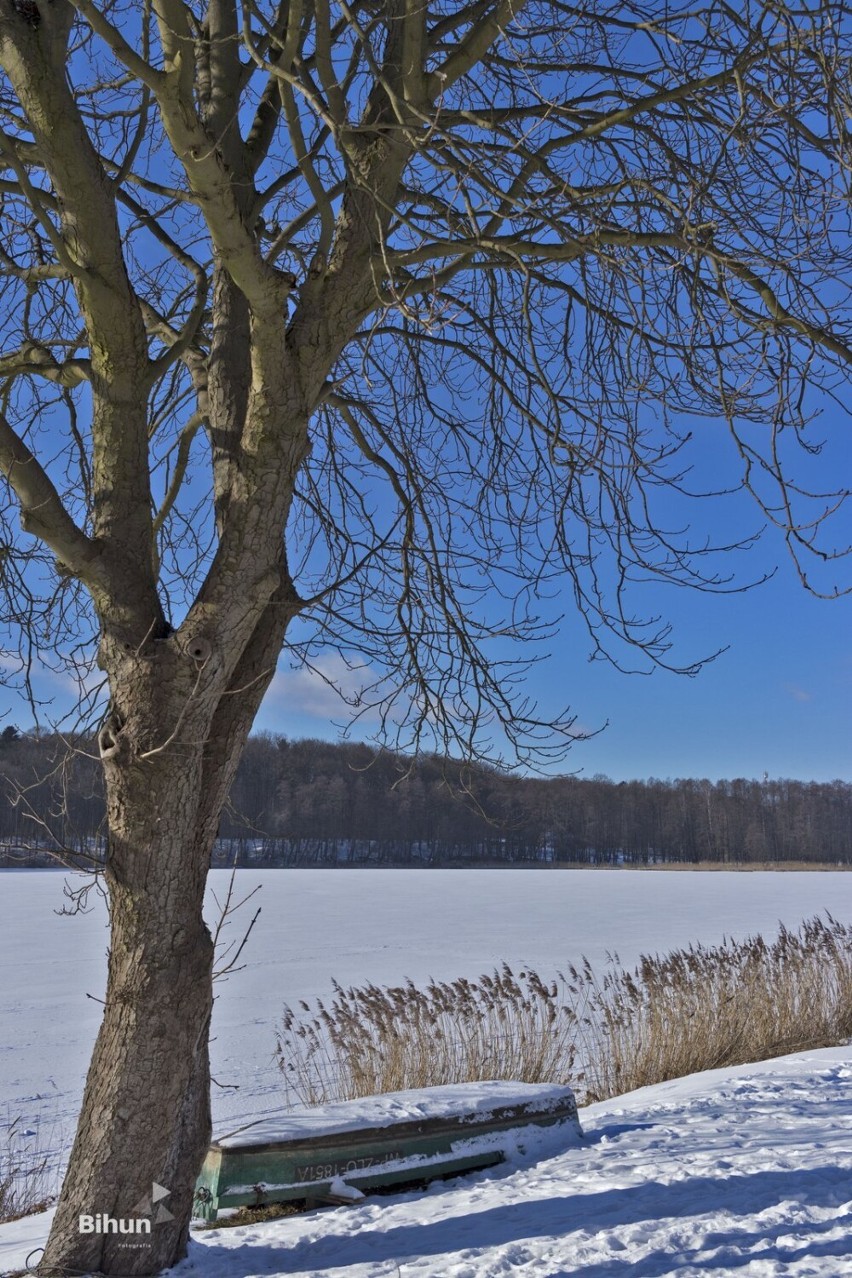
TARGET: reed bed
(693,1009)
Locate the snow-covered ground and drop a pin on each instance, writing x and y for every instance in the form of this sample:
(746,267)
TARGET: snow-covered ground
(355,926)
(742,1172)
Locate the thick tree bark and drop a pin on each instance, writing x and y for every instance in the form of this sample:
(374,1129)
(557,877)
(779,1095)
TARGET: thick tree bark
(170,755)
(146,1109)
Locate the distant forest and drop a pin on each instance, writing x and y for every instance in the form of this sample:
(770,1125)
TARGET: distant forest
(316,803)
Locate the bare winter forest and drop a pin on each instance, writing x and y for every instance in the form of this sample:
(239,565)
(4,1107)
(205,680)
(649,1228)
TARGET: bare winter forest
(316,803)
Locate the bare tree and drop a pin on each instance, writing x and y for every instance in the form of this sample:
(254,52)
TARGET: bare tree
(360,316)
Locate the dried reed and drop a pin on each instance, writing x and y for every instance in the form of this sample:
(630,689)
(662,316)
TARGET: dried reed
(27,1172)
(690,1010)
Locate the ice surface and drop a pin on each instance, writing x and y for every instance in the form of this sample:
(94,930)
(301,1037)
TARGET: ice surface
(357,926)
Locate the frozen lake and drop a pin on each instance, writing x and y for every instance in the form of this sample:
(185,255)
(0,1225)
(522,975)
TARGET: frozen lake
(357,926)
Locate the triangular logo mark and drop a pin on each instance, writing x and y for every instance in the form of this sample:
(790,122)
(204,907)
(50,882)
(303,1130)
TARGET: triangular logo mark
(159,1191)
(162,1215)
(143,1207)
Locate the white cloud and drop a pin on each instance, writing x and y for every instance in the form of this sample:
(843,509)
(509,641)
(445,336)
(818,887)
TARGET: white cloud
(307,691)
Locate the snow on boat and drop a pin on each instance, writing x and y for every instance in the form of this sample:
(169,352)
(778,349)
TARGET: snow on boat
(333,1153)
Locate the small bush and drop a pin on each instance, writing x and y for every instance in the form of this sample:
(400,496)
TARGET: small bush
(691,1010)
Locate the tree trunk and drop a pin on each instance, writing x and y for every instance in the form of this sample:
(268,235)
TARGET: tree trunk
(145,1121)
(170,749)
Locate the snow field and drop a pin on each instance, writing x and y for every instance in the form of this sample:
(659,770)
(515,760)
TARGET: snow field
(745,1171)
(738,1172)
(355,926)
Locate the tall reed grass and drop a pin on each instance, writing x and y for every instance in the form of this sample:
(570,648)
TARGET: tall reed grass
(690,1010)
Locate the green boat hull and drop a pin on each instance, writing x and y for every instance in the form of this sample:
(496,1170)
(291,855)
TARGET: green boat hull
(320,1167)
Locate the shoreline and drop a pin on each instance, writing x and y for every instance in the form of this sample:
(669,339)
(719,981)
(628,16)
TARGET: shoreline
(700,867)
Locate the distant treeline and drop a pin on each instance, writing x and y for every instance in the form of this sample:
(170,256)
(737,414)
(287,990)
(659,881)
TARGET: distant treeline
(316,803)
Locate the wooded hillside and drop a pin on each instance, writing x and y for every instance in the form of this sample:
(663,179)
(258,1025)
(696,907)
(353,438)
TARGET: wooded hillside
(314,802)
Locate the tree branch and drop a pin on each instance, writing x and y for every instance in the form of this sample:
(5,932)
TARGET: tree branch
(42,512)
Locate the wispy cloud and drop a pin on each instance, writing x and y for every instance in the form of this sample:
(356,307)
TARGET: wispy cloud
(797,693)
(311,692)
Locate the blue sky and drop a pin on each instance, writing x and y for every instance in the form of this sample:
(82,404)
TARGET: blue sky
(779,700)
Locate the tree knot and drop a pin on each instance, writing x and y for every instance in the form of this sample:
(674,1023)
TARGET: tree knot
(109,734)
(199,649)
